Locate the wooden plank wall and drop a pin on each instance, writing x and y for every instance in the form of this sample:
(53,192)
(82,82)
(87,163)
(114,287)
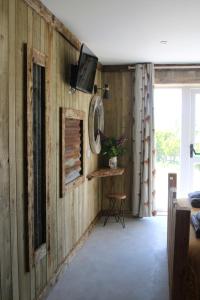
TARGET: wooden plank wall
(177,76)
(118,121)
(67,217)
(5,220)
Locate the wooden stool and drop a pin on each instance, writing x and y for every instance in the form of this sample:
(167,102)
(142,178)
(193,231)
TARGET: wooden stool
(119,213)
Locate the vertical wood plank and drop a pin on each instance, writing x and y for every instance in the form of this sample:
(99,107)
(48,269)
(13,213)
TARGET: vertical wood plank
(5,241)
(59,104)
(127,100)
(20,98)
(52,143)
(12,150)
(48,153)
(65,94)
(36,31)
(55,135)
(39,43)
(29,143)
(44,48)
(59,73)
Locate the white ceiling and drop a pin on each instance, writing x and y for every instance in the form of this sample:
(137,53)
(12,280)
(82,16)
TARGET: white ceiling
(130,31)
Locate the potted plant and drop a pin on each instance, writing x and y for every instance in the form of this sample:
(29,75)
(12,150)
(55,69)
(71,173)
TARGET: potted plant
(111,148)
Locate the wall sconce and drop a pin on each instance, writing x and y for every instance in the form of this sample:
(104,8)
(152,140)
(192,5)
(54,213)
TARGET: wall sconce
(106,89)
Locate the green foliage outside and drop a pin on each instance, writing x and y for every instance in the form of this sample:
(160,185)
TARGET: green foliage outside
(167,147)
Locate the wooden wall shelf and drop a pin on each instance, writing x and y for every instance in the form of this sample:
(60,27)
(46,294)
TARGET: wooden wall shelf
(107,172)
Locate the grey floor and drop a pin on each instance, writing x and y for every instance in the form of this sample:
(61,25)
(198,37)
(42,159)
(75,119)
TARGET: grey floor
(118,264)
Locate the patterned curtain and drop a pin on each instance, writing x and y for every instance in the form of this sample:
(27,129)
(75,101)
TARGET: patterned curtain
(143,143)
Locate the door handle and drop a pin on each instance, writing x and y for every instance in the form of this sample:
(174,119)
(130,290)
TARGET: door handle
(193,151)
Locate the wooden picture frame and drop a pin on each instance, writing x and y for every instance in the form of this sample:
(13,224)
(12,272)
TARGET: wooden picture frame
(72,149)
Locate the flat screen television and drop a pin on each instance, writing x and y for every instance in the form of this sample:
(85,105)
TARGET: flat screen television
(83,74)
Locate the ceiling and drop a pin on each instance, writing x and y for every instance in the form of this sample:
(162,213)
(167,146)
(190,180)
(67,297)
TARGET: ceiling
(130,31)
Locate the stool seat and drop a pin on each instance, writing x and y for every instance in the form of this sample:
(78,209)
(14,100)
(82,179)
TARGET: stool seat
(117,196)
(116,199)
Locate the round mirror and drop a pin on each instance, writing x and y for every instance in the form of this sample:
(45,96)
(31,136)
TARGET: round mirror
(96,123)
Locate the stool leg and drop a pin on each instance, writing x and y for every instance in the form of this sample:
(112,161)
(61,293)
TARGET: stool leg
(121,212)
(117,215)
(110,210)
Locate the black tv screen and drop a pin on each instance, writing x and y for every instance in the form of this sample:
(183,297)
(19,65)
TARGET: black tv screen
(84,78)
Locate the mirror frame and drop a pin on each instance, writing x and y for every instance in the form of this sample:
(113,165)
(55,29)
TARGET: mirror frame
(95,104)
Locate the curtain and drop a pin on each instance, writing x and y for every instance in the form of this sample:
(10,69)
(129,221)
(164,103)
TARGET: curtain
(143,202)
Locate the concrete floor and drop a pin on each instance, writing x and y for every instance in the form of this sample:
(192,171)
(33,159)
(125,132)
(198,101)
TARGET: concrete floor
(118,264)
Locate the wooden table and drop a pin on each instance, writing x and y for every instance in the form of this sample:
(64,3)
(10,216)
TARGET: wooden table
(106,172)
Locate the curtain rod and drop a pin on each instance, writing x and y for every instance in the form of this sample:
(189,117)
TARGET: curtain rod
(173,67)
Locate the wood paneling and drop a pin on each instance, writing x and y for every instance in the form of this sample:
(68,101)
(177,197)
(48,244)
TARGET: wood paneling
(5,220)
(54,22)
(178,231)
(67,217)
(118,121)
(187,76)
(12,150)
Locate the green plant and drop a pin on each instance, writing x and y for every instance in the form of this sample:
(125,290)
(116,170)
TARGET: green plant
(112,147)
(167,146)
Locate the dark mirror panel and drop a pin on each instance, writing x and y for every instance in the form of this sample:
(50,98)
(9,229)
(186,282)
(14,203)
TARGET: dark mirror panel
(39,155)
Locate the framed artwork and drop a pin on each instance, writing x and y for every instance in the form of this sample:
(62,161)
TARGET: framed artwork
(72,148)
(35,166)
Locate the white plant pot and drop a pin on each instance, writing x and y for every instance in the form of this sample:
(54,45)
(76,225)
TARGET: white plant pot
(113,162)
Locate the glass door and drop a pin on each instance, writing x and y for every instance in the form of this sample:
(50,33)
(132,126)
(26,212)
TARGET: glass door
(168,106)
(195,140)
(190,142)
(177,128)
